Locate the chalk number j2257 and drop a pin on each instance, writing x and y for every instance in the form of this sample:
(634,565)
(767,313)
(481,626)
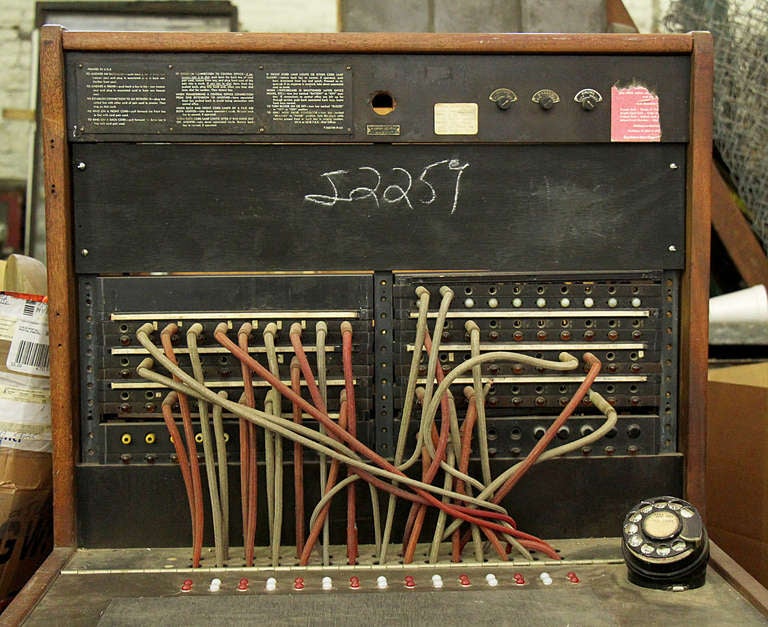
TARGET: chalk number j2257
(396,185)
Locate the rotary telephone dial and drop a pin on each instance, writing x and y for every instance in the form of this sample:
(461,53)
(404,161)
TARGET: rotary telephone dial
(665,544)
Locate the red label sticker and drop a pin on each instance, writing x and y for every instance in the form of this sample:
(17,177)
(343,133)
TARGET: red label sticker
(634,115)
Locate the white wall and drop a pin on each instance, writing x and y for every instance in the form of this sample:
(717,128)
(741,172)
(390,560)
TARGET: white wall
(647,13)
(288,16)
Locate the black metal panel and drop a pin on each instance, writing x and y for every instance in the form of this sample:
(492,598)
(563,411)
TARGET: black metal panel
(113,308)
(141,208)
(618,318)
(384,362)
(140,97)
(562,498)
(159,294)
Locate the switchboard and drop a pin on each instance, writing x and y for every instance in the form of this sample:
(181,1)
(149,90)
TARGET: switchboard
(337,189)
(348,312)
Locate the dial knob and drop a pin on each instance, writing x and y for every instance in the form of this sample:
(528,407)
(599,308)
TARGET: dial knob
(504,102)
(546,98)
(546,103)
(503,97)
(588,99)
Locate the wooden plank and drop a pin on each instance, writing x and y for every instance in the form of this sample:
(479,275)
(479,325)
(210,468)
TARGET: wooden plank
(61,312)
(616,13)
(26,600)
(695,281)
(736,234)
(734,574)
(380,42)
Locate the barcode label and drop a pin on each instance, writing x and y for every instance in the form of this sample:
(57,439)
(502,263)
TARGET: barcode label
(29,352)
(35,311)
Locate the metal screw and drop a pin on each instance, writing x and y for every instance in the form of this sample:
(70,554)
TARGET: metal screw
(84,252)
(672,248)
(673,166)
(81,165)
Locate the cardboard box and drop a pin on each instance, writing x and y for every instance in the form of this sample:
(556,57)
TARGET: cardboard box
(737,465)
(25,517)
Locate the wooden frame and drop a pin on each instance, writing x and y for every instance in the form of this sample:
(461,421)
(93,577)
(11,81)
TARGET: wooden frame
(54,41)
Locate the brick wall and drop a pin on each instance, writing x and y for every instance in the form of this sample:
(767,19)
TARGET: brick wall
(16,25)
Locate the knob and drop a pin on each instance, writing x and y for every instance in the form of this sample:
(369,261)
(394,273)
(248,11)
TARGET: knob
(504,102)
(503,98)
(588,99)
(545,98)
(546,103)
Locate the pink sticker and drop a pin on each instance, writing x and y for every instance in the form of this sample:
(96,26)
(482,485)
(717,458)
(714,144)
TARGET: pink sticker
(634,115)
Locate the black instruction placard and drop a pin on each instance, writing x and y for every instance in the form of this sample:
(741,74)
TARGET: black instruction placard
(135,95)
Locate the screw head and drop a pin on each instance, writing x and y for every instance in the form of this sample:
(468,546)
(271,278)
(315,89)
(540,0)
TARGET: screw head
(81,166)
(84,252)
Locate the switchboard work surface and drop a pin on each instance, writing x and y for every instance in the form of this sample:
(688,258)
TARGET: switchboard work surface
(140,587)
